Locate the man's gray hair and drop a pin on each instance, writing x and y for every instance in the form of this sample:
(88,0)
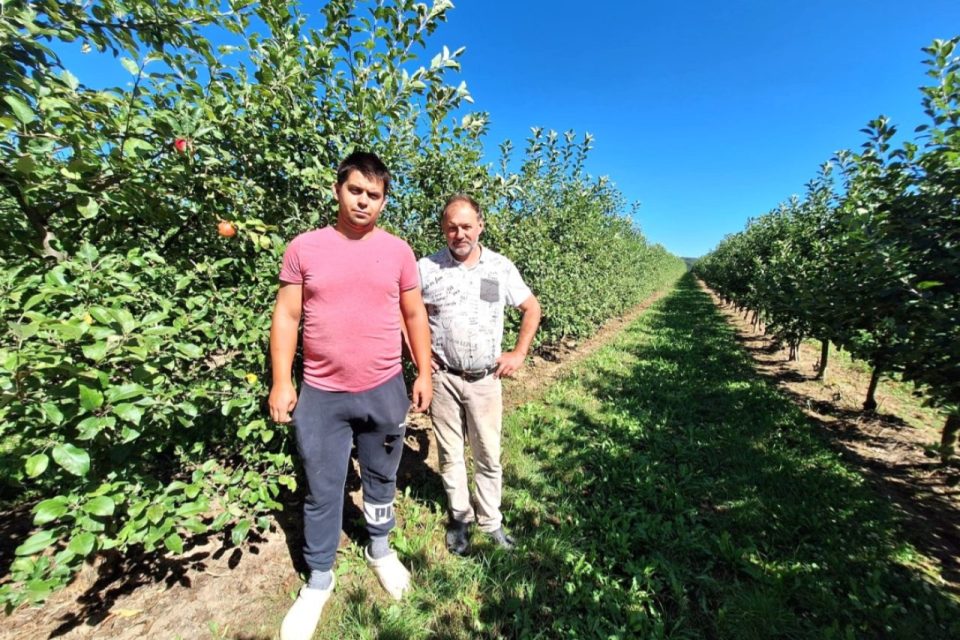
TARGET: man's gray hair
(462,197)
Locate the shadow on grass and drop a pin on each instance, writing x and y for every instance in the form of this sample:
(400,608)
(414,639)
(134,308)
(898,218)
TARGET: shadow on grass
(668,491)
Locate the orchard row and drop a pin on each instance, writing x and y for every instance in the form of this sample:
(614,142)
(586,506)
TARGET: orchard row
(869,259)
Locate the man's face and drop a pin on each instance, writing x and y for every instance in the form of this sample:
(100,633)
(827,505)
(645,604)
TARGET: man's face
(462,228)
(361,200)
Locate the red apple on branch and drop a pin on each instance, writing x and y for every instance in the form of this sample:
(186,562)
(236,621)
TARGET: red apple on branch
(226,229)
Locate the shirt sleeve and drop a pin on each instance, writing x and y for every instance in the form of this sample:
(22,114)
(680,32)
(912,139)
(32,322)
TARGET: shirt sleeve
(409,278)
(517,290)
(290,271)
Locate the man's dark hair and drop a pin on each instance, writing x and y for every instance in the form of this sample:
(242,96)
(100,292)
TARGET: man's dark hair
(462,197)
(368,164)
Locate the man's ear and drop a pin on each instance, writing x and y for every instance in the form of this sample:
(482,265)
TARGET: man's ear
(336,193)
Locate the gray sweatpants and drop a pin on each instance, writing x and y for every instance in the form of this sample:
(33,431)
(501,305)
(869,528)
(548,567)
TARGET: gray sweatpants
(326,423)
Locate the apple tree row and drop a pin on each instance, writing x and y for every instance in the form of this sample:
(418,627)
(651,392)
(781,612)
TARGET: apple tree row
(869,259)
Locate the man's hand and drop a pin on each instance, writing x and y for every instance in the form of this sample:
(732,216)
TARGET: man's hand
(422,393)
(283,398)
(508,363)
(418,331)
(283,346)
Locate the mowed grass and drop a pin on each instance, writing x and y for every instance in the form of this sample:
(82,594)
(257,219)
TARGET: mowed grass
(663,490)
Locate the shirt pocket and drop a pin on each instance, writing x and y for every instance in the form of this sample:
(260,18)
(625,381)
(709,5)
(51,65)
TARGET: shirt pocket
(489,290)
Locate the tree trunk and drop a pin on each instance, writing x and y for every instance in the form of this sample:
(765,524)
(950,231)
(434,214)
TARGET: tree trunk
(824,354)
(948,440)
(870,404)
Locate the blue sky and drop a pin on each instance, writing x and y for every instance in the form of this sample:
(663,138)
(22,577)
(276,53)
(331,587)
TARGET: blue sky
(708,113)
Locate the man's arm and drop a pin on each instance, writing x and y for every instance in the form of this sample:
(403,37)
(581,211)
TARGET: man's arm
(418,332)
(508,363)
(283,348)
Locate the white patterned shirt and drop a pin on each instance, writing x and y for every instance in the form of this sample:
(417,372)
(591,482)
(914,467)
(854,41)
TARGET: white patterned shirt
(465,306)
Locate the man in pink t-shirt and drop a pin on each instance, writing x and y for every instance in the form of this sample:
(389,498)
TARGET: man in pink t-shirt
(353,285)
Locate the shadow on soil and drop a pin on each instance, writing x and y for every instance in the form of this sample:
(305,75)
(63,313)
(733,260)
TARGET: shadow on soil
(674,493)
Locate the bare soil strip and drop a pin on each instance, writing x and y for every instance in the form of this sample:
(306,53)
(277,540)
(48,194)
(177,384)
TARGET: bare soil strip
(217,591)
(889,447)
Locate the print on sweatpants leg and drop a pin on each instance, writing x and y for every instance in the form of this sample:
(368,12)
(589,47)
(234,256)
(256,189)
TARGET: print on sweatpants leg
(379,447)
(377,514)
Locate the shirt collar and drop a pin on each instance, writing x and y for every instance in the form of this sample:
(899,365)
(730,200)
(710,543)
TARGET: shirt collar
(455,262)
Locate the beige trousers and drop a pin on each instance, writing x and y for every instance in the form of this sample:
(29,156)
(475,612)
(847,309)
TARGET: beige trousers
(472,411)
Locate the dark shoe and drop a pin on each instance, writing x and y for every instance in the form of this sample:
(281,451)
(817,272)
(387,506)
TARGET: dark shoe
(501,539)
(458,537)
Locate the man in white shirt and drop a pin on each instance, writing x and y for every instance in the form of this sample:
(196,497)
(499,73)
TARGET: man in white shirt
(465,288)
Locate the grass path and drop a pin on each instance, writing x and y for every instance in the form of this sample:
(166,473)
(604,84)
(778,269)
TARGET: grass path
(663,490)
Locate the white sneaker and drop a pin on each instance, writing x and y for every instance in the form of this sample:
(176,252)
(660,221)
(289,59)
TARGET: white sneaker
(302,618)
(391,573)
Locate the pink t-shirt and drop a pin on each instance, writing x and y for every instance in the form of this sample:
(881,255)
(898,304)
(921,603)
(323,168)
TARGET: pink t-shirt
(351,305)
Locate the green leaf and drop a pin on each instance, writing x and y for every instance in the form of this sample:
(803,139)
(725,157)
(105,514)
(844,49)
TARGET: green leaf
(101,315)
(130,66)
(193,525)
(39,590)
(155,513)
(20,109)
(125,392)
(100,506)
(88,209)
(174,543)
(70,80)
(190,350)
(53,104)
(88,428)
(88,252)
(37,542)
(219,522)
(129,412)
(290,482)
(25,165)
(90,398)
(23,331)
(82,543)
(125,318)
(193,508)
(73,459)
(70,330)
(132,145)
(929,284)
(96,351)
(49,510)
(36,464)
(52,412)
(239,533)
